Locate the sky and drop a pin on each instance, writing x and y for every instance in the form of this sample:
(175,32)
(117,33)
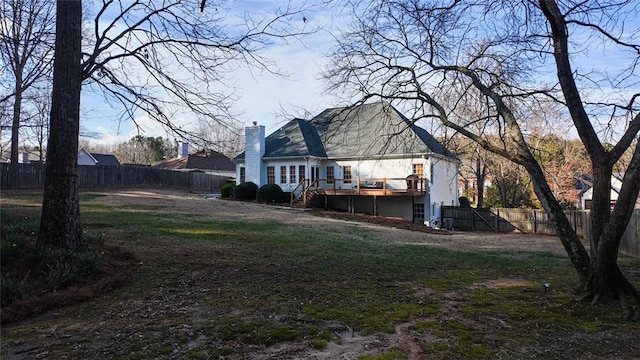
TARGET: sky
(269,99)
(263,97)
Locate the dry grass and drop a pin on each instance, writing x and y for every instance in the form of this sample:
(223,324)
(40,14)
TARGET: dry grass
(232,280)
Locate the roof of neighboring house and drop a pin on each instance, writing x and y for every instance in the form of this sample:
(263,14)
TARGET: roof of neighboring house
(203,160)
(364,131)
(100,159)
(106,159)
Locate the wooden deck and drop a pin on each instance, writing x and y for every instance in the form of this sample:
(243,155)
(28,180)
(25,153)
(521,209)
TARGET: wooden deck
(371,192)
(410,186)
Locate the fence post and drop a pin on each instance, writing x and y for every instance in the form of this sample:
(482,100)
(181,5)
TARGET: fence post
(498,220)
(535,222)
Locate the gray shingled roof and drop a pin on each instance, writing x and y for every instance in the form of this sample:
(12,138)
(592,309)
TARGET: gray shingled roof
(373,130)
(106,159)
(364,131)
(202,160)
(297,138)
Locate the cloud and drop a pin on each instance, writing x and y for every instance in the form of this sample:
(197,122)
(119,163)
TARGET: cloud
(265,97)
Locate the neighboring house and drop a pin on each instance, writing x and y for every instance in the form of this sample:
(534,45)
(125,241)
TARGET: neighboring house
(368,158)
(93,159)
(208,161)
(616,184)
(468,186)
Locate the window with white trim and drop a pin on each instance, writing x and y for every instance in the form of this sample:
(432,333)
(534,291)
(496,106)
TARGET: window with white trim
(346,174)
(330,175)
(271,175)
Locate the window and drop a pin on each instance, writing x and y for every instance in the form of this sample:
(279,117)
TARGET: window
(271,174)
(418,213)
(292,174)
(301,171)
(418,169)
(346,174)
(283,174)
(243,175)
(330,176)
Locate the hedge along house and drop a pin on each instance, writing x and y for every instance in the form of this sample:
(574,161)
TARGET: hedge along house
(366,159)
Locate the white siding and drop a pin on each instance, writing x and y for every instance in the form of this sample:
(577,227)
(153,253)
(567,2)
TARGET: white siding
(444,188)
(442,176)
(253,152)
(394,170)
(84,158)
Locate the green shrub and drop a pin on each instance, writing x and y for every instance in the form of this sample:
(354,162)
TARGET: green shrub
(227,190)
(86,262)
(270,193)
(11,290)
(60,268)
(246,191)
(7,251)
(58,275)
(93,239)
(15,231)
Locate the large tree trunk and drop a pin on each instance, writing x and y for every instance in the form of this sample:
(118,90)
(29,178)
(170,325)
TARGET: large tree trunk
(60,222)
(606,277)
(17,109)
(600,203)
(568,237)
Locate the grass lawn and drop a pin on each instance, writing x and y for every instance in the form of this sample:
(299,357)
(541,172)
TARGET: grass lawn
(210,285)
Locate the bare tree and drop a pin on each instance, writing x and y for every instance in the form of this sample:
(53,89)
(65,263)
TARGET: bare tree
(504,52)
(228,139)
(38,125)
(150,56)
(26,46)
(167,59)
(144,150)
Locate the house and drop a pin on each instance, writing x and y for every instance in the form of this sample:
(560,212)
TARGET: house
(616,185)
(207,161)
(94,159)
(368,158)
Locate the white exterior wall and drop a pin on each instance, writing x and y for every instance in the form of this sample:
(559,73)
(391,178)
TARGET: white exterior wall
(253,152)
(443,186)
(396,169)
(288,186)
(616,185)
(84,158)
(442,176)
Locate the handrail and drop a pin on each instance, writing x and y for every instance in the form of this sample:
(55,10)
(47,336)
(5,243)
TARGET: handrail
(359,184)
(293,192)
(364,183)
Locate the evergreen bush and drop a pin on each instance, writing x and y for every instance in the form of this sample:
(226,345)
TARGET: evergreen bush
(270,193)
(246,191)
(227,190)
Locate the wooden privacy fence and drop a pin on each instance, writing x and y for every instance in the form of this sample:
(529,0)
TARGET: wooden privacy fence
(630,243)
(31,176)
(535,221)
(529,221)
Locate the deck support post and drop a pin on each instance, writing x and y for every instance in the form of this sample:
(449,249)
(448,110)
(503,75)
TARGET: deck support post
(375,206)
